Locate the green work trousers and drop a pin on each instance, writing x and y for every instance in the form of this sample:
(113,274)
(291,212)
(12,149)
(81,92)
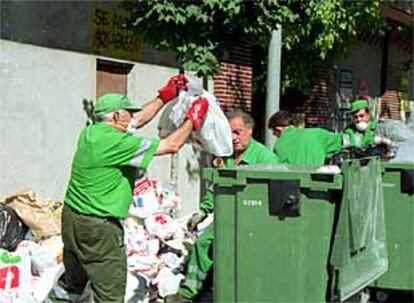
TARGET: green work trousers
(199,264)
(94,251)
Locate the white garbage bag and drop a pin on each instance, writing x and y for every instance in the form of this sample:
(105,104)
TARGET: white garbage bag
(214,136)
(167,282)
(161,226)
(46,254)
(15,275)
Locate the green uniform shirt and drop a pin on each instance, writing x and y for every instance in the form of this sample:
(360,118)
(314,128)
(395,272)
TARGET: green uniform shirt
(355,138)
(256,153)
(103,170)
(307,146)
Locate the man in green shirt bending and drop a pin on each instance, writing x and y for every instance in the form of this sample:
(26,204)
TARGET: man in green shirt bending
(246,151)
(99,192)
(311,146)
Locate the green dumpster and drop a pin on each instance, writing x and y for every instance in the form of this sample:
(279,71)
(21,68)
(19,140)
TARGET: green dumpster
(275,229)
(398,186)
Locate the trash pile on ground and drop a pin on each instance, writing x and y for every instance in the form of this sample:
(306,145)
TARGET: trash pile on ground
(157,243)
(31,248)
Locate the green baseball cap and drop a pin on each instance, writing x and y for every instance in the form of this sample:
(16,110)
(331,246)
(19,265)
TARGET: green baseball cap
(359,104)
(108,103)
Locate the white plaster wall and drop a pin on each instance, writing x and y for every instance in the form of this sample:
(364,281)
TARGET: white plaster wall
(40,115)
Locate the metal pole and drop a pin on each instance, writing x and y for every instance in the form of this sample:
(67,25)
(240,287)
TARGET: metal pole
(273,80)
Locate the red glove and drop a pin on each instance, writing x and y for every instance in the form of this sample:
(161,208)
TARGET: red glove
(175,84)
(197,112)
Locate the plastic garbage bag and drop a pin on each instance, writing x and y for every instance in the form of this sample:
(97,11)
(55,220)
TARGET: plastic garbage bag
(146,200)
(15,285)
(169,199)
(161,225)
(12,229)
(405,152)
(410,123)
(47,254)
(171,260)
(167,282)
(137,288)
(214,136)
(42,216)
(152,196)
(43,284)
(136,237)
(395,130)
(146,265)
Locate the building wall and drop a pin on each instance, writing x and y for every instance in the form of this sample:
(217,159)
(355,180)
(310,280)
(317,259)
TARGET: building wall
(233,85)
(41,109)
(398,54)
(42,114)
(89,27)
(365,64)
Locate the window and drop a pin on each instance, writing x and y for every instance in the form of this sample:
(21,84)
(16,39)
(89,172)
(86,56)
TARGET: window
(111,77)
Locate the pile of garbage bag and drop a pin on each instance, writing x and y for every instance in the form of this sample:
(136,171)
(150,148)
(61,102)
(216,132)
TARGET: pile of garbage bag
(157,243)
(31,248)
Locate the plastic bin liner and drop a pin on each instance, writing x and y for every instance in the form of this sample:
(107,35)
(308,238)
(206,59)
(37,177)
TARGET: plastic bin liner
(405,152)
(359,249)
(395,130)
(12,229)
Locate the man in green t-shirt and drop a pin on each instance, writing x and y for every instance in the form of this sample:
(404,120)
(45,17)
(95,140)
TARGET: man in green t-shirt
(246,151)
(308,146)
(312,146)
(99,192)
(363,125)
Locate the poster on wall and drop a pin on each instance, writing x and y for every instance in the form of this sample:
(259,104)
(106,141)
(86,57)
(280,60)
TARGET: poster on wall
(111,38)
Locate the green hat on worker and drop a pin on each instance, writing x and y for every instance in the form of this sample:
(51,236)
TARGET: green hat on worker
(359,104)
(108,103)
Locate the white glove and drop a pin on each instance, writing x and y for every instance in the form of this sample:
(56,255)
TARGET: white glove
(382,140)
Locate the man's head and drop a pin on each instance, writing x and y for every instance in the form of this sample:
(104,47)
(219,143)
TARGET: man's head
(279,121)
(241,125)
(116,109)
(360,114)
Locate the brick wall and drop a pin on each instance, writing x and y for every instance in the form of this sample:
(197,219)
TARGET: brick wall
(233,85)
(316,107)
(390,104)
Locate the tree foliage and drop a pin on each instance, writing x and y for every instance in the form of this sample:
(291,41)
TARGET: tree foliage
(199,32)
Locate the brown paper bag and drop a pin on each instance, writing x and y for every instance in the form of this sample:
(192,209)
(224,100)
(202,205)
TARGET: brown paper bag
(42,216)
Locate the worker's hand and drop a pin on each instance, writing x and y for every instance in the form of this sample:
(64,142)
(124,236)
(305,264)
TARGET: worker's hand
(383,140)
(195,220)
(174,85)
(197,112)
